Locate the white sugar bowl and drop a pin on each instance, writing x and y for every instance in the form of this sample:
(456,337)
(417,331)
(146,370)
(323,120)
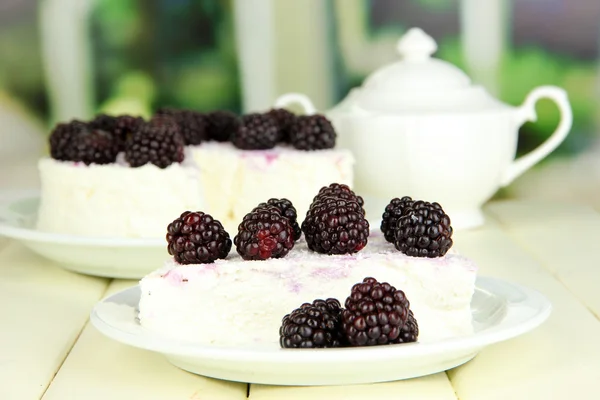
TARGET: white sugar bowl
(419,127)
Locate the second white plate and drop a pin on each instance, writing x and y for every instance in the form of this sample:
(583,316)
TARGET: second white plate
(500,310)
(125,258)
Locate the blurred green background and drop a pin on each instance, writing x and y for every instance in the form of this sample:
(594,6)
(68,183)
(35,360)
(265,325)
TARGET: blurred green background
(63,59)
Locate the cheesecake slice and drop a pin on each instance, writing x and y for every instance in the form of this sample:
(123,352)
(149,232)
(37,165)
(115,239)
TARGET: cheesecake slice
(237,302)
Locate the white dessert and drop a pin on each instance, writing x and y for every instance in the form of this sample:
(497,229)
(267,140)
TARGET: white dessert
(119,201)
(114,200)
(234,301)
(235,180)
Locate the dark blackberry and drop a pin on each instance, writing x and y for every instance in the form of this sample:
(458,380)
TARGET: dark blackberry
(158,142)
(410,330)
(257,132)
(197,238)
(264,233)
(284,120)
(192,125)
(335,226)
(287,209)
(389,219)
(375,314)
(122,126)
(78,141)
(312,132)
(315,325)
(221,124)
(424,230)
(342,191)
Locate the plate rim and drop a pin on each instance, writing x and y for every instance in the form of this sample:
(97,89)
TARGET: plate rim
(496,334)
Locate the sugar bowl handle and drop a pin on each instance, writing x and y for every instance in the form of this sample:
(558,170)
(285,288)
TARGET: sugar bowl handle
(296,98)
(527,113)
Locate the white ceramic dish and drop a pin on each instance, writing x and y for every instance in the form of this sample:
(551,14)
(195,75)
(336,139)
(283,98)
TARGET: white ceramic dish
(125,258)
(500,311)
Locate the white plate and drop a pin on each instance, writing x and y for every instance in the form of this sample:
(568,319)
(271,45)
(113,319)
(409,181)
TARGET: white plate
(500,311)
(126,258)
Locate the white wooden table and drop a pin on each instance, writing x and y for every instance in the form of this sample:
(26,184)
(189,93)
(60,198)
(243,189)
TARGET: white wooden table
(49,351)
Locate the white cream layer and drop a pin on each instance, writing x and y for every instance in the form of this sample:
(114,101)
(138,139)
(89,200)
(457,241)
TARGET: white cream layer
(235,180)
(114,199)
(239,302)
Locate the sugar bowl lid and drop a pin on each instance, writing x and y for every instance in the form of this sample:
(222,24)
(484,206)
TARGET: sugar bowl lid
(420,83)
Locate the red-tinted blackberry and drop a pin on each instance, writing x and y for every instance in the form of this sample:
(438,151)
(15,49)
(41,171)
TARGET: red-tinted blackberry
(284,120)
(192,125)
(221,124)
(410,330)
(375,314)
(389,219)
(77,141)
(287,209)
(257,132)
(158,142)
(312,132)
(315,325)
(264,233)
(122,126)
(335,226)
(424,230)
(340,191)
(197,238)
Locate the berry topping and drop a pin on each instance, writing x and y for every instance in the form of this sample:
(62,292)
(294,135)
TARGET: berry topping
(284,120)
(77,141)
(157,141)
(257,132)
(122,126)
(312,132)
(410,330)
(424,230)
(375,314)
(340,191)
(393,212)
(287,209)
(335,225)
(315,325)
(197,238)
(221,125)
(264,233)
(192,124)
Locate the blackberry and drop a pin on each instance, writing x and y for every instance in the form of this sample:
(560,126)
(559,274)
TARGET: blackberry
(389,219)
(157,141)
(315,325)
(284,120)
(340,191)
(78,141)
(192,125)
(221,124)
(257,132)
(424,230)
(197,238)
(287,209)
(264,233)
(122,126)
(335,226)
(375,314)
(312,132)
(410,330)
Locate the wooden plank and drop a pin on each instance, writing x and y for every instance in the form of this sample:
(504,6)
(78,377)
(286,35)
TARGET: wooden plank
(559,360)
(100,368)
(43,309)
(429,387)
(566,242)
